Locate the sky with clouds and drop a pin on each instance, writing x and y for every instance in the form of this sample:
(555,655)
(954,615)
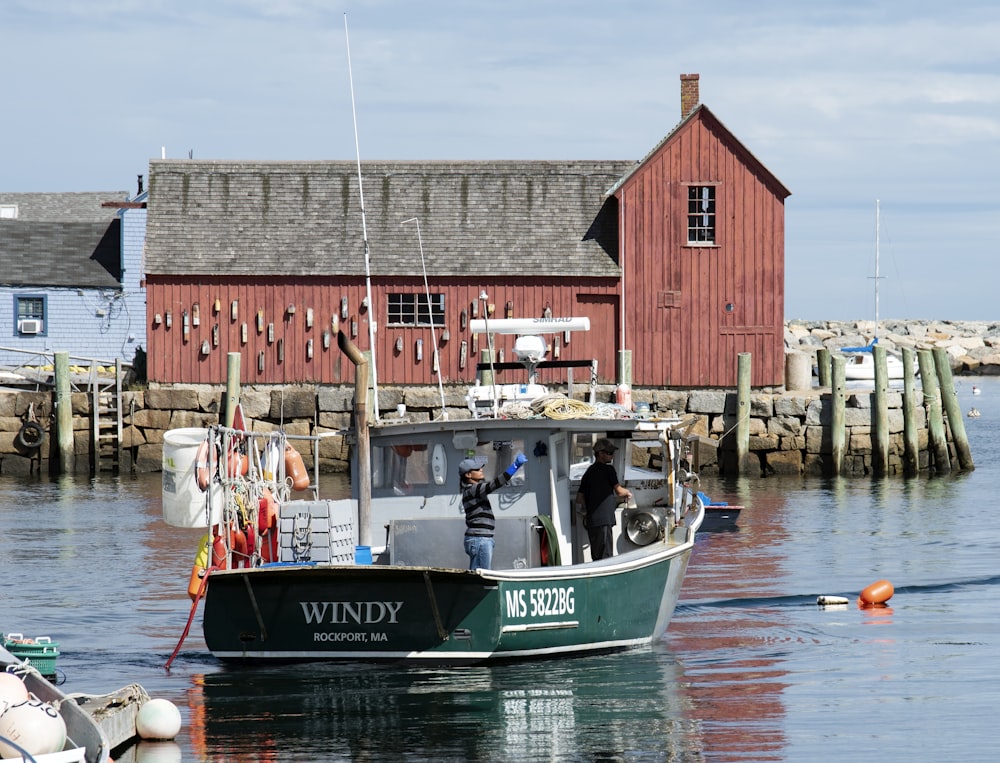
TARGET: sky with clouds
(845,102)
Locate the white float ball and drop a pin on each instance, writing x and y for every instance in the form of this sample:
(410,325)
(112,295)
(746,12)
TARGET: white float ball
(158,719)
(34,725)
(12,690)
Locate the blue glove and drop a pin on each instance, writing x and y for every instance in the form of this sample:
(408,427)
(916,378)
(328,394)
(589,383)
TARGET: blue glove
(519,460)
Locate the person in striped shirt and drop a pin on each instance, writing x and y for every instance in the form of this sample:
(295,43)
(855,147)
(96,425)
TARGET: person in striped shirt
(480,524)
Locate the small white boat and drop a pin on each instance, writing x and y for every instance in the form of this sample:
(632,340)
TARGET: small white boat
(78,736)
(860,364)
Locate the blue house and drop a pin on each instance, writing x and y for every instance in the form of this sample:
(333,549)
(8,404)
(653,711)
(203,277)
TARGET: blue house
(71,277)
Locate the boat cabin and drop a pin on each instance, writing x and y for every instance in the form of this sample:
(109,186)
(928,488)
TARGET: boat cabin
(416,503)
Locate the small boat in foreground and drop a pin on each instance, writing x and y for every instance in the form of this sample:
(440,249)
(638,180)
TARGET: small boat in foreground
(45,719)
(383,576)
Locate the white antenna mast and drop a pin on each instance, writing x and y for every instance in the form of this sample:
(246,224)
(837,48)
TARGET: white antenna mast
(364,229)
(430,315)
(876,268)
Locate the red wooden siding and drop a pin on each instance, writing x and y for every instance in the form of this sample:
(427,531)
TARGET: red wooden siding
(677,324)
(171,359)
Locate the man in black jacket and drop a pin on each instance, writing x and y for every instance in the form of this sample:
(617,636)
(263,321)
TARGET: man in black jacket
(599,494)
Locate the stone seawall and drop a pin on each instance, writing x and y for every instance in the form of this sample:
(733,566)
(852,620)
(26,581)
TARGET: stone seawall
(789,431)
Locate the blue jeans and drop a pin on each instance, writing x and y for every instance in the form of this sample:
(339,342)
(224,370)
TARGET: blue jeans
(480,551)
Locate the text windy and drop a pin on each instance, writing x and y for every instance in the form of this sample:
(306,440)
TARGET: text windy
(345,612)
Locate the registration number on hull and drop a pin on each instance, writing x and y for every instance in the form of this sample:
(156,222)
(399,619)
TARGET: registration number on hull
(552,601)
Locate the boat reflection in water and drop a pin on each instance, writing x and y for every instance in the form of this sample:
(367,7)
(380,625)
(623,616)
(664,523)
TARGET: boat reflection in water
(615,706)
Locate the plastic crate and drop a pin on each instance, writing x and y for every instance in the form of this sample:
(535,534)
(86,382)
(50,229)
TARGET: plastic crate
(41,652)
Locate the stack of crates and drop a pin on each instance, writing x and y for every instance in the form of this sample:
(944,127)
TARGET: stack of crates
(307,532)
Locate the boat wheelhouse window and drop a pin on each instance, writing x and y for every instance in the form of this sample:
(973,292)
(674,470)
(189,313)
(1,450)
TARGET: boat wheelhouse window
(701,214)
(401,469)
(416,310)
(498,455)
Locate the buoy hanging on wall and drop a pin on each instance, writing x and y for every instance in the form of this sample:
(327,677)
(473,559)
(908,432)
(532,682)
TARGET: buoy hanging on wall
(877,593)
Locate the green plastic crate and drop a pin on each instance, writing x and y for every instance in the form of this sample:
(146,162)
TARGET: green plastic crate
(40,652)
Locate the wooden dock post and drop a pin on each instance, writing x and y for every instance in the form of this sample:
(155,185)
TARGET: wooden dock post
(880,414)
(937,443)
(911,444)
(742,411)
(232,386)
(949,399)
(823,358)
(838,428)
(64,416)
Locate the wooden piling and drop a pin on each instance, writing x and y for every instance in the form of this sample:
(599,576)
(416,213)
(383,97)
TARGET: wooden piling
(880,414)
(232,386)
(949,399)
(937,443)
(911,444)
(838,428)
(742,411)
(64,416)
(823,375)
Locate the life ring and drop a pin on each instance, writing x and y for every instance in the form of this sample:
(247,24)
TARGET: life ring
(31,434)
(202,467)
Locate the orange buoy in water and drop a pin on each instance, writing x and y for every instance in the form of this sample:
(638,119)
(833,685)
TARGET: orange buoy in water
(878,592)
(295,469)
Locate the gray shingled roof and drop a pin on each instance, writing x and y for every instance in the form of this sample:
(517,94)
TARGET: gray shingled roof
(304,218)
(62,240)
(63,207)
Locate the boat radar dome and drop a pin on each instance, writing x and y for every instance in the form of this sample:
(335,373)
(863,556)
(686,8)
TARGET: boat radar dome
(529,349)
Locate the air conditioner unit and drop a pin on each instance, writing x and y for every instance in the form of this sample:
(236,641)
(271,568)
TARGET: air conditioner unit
(29,326)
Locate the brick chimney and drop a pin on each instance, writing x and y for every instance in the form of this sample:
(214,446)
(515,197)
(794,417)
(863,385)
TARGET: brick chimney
(689,94)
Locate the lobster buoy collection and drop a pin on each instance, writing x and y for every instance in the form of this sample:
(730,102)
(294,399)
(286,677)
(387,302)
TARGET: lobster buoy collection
(296,469)
(877,594)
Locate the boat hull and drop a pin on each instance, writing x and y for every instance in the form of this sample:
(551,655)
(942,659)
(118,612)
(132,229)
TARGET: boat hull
(418,614)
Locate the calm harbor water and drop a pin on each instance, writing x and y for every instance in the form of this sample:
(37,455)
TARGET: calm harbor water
(750,669)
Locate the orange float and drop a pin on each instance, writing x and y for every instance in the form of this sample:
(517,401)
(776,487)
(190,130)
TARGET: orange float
(296,469)
(267,514)
(877,593)
(203,466)
(218,551)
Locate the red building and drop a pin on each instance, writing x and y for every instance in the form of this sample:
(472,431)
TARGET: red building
(678,258)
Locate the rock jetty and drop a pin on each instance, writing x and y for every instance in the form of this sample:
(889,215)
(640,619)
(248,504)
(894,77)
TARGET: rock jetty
(973,347)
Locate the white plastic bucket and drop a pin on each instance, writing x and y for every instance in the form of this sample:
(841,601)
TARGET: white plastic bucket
(183,502)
